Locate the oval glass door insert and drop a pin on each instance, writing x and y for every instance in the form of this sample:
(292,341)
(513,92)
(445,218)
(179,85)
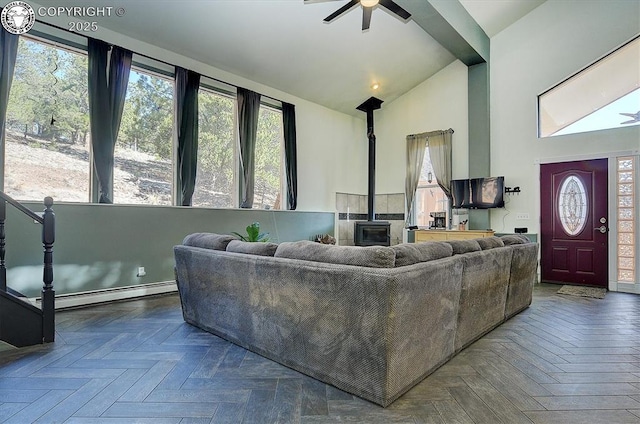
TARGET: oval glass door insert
(572,205)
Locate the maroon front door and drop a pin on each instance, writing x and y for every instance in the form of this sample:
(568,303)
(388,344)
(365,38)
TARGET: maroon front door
(574,223)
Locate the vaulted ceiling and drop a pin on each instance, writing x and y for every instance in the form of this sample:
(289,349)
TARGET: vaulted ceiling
(285,44)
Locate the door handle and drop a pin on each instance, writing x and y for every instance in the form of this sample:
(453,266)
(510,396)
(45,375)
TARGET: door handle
(603,229)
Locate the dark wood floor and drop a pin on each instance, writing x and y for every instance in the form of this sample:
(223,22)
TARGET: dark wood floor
(564,360)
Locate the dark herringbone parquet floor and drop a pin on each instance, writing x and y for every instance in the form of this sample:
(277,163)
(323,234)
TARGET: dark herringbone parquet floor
(564,360)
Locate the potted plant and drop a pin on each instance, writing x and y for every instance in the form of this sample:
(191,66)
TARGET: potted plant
(253,234)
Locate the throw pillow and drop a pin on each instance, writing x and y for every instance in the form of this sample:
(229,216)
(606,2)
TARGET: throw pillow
(370,256)
(208,240)
(258,248)
(412,253)
(464,246)
(510,239)
(490,242)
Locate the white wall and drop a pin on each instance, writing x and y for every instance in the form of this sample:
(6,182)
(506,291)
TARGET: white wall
(439,103)
(540,50)
(332,156)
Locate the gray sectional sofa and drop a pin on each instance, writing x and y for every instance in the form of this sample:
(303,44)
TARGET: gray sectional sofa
(373,321)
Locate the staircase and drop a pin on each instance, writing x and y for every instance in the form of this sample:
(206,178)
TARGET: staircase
(21,323)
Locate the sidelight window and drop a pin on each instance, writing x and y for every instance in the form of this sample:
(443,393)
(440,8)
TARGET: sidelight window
(626,208)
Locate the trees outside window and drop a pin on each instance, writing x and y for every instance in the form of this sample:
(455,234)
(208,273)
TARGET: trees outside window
(47,137)
(216,151)
(268,171)
(143,155)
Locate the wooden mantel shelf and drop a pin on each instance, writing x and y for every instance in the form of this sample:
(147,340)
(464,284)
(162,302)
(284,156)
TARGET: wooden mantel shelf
(440,235)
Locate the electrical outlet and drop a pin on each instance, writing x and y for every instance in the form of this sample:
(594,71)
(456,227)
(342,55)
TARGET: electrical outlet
(141,272)
(522,216)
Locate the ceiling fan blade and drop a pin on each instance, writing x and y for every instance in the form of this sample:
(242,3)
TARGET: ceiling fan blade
(366,17)
(393,7)
(340,11)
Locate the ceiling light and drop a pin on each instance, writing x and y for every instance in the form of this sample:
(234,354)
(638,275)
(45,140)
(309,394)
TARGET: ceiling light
(369,3)
(375,86)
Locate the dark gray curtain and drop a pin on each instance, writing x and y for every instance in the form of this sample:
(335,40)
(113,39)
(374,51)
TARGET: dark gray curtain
(290,155)
(9,45)
(108,79)
(186,127)
(248,112)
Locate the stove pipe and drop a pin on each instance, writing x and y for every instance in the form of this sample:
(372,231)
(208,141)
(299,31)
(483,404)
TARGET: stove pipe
(368,107)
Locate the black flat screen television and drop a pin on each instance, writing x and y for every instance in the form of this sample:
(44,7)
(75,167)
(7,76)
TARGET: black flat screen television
(478,193)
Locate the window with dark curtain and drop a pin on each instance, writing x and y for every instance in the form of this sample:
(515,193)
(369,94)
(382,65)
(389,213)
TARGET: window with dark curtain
(290,154)
(108,79)
(186,126)
(248,113)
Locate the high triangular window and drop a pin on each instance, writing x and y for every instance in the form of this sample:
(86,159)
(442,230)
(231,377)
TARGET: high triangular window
(604,95)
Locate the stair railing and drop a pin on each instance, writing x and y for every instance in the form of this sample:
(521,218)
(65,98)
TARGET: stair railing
(47,220)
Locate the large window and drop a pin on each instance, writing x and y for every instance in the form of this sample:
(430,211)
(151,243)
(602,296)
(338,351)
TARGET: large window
(216,150)
(603,95)
(48,140)
(268,172)
(47,136)
(429,196)
(143,154)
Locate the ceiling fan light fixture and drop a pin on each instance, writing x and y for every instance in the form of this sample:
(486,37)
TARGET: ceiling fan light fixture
(369,3)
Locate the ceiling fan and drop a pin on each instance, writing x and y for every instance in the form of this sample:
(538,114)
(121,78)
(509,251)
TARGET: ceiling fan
(367,8)
(635,117)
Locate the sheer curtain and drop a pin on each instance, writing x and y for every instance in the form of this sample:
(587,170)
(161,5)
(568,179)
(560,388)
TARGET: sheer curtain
(440,152)
(9,45)
(416,145)
(108,78)
(439,145)
(186,132)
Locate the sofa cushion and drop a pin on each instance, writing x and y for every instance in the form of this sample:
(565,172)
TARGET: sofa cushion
(370,256)
(490,242)
(208,240)
(258,248)
(412,253)
(510,239)
(464,246)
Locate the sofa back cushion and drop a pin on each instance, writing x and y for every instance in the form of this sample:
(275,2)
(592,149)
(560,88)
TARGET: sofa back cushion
(258,248)
(510,239)
(208,240)
(370,256)
(464,246)
(490,242)
(412,253)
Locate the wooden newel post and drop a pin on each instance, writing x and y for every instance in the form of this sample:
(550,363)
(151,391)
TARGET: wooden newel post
(3,267)
(48,294)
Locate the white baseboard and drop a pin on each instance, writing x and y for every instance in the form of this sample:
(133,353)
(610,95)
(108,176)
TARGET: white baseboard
(73,300)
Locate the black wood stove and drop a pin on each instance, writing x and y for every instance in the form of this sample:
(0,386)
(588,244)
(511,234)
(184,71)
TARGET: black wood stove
(371,232)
